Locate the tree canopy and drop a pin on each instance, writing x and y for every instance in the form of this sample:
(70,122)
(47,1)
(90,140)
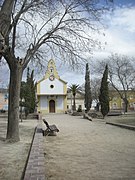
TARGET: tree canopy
(28,93)
(39,27)
(31,30)
(121,75)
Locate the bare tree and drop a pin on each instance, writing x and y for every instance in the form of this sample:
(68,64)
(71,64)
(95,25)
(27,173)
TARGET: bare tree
(121,75)
(31,29)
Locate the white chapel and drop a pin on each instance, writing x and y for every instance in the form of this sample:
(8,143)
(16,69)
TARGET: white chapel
(52,92)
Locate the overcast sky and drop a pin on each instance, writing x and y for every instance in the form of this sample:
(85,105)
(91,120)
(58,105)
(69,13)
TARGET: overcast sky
(119,38)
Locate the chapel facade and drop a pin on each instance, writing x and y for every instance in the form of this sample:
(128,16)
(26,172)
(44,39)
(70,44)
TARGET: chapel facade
(52,91)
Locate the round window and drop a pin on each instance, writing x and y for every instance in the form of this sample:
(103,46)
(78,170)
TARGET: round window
(51,86)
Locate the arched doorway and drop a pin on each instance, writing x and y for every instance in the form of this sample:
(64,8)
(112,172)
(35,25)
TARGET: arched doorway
(52,106)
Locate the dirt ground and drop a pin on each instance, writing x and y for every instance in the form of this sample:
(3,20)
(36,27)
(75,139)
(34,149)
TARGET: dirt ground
(82,150)
(13,156)
(86,150)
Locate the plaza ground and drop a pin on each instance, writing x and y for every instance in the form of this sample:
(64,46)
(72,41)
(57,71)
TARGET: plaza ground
(82,150)
(86,150)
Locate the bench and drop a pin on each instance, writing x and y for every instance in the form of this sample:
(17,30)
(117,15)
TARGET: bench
(51,129)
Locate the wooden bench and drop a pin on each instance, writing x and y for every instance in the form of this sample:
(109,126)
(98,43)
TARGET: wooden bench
(51,129)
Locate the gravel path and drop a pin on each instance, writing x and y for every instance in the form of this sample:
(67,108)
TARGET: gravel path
(85,150)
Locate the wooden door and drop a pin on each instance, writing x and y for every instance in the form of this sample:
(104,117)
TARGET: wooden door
(52,106)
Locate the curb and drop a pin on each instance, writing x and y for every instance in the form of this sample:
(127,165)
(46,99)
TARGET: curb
(35,168)
(122,125)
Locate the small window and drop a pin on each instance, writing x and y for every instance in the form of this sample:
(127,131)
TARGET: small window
(51,86)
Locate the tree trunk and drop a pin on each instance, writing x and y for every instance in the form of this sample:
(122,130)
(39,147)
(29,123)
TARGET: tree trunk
(13,106)
(74,105)
(125,105)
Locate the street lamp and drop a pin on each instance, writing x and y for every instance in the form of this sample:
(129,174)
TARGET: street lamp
(21,107)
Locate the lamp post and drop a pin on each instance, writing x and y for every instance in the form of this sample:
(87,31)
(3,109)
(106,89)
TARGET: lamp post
(21,107)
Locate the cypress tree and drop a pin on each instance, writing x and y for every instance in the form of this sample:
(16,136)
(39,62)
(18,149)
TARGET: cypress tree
(88,97)
(22,97)
(33,92)
(28,90)
(28,94)
(104,93)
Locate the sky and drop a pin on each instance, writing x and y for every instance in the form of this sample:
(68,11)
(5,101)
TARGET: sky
(119,38)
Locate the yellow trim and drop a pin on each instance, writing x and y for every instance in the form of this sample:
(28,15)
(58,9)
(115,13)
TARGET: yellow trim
(44,112)
(63,81)
(60,111)
(48,72)
(65,103)
(51,63)
(38,88)
(41,80)
(57,110)
(65,89)
(38,108)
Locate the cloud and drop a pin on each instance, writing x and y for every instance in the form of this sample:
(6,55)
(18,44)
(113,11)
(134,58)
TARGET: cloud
(119,38)
(124,18)
(120,33)
(72,77)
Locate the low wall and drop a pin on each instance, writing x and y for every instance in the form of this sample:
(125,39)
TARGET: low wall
(35,168)
(122,125)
